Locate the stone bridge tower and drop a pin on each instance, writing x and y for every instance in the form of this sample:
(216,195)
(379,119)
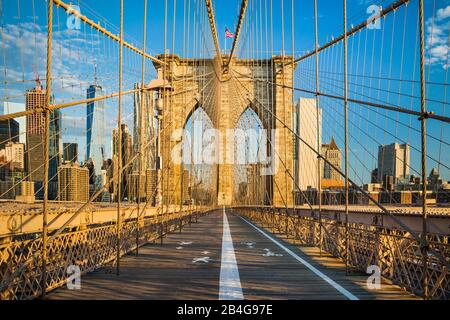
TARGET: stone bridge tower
(255,84)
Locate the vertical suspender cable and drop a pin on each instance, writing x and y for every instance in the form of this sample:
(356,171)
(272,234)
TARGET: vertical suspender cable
(142,114)
(119,144)
(238,29)
(266,184)
(346,136)
(318,123)
(293,105)
(170,185)
(423,110)
(163,121)
(285,135)
(272,96)
(46,144)
(183,183)
(175,182)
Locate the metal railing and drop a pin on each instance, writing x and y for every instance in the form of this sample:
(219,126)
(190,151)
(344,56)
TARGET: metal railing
(88,248)
(394,251)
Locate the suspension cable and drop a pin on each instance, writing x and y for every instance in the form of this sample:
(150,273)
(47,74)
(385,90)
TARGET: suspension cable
(212,24)
(238,30)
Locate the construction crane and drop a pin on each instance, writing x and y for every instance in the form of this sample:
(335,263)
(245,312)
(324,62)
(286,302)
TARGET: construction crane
(37,79)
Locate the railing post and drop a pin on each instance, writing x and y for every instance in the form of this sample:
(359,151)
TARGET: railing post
(423,110)
(46,144)
(273,220)
(161,229)
(119,144)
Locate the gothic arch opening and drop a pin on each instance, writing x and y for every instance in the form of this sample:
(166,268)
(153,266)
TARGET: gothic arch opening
(250,149)
(199,174)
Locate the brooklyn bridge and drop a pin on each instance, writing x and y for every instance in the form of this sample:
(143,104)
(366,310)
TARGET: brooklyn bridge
(174,150)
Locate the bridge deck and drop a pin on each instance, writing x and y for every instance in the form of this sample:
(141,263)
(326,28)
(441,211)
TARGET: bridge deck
(188,266)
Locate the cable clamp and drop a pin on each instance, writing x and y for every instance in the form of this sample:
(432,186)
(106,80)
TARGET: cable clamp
(425,115)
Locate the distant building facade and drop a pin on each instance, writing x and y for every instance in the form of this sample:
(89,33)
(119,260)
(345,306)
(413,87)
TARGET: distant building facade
(13,107)
(95,128)
(393,161)
(35,133)
(127,153)
(73,183)
(333,155)
(186,187)
(14,154)
(309,128)
(11,169)
(151,185)
(9,132)
(144,128)
(70,153)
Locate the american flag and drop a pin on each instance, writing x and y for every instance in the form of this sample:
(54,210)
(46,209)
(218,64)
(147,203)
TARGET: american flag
(228,33)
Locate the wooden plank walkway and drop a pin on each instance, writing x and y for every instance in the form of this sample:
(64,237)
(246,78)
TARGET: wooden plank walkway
(187,266)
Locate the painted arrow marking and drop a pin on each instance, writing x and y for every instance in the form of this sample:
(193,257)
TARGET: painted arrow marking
(201,260)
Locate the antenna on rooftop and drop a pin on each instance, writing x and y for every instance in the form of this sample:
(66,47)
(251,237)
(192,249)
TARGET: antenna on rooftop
(95,73)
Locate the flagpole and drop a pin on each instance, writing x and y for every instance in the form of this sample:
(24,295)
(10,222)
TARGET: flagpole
(225,51)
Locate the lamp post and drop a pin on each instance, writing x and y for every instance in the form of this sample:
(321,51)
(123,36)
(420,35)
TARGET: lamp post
(161,87)
(159,117)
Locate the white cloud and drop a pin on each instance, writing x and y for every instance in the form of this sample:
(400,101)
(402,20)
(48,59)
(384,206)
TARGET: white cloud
(443,13)
(437,38)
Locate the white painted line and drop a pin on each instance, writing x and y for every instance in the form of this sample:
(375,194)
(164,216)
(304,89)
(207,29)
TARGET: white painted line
(230,283)
(335,285)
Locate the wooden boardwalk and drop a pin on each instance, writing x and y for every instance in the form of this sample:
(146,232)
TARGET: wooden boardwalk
(188,266)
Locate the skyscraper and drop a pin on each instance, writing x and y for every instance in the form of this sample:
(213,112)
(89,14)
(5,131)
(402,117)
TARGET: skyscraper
(73,183)
(13,107)
(305,158)
(70,152)
(255,184)
(11,170)
(55,154)
(36,121)
(95,128)
(9,132)
(127,153)
(151,185)
(186,187)
(332,154)
(143,131)
(393,160)
(35,133)
(13,153)
(35,137)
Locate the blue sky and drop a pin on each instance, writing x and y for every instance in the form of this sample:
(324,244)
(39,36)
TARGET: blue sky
(76,52)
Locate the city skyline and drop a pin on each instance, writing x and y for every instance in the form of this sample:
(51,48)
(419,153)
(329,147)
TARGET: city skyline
(390,162)
(72,123)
